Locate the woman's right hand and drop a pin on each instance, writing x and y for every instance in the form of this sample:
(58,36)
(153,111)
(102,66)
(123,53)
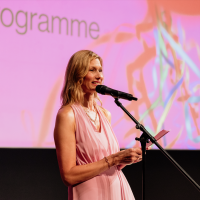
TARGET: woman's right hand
(128,156)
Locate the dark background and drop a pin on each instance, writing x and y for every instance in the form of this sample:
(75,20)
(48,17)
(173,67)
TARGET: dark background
(33,174)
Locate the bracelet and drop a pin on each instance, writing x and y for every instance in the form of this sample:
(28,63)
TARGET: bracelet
(106,159)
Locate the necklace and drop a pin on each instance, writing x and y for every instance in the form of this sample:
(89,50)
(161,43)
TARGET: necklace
(88,114)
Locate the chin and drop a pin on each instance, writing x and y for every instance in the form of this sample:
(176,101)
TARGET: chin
(90,91)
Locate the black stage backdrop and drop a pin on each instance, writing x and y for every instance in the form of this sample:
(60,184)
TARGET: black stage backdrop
(33,174)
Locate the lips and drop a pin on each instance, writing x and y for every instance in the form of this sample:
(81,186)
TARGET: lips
(96,82)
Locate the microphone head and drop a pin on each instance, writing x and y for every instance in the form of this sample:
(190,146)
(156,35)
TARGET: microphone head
(101,89)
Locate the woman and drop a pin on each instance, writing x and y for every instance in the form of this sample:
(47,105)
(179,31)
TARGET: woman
(88,153)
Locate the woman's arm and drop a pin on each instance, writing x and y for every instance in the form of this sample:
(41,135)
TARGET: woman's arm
(65,141)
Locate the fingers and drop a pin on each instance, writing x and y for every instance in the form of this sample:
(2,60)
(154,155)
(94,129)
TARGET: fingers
(137,151)
(136,155)
(138,160)
(129,156)
(140,153)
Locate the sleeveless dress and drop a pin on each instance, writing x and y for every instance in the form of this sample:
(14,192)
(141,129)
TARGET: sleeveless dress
(92,146)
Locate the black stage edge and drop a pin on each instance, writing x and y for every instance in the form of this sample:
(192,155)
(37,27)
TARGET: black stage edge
(33,174)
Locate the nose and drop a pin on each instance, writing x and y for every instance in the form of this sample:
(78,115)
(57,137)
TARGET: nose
(99,75)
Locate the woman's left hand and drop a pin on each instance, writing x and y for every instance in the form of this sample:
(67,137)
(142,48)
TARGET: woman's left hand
(138,160)
(140,157)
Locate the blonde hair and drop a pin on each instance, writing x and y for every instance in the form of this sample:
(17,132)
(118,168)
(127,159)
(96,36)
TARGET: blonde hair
(77,68)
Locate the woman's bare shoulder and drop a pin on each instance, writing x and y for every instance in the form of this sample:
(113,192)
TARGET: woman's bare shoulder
(65,114)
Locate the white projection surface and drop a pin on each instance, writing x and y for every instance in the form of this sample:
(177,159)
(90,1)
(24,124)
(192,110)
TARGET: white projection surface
(150,48)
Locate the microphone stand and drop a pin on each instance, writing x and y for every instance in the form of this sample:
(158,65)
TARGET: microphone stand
(144,138)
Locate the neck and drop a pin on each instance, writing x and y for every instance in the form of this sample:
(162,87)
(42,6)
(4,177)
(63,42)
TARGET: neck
(89,101)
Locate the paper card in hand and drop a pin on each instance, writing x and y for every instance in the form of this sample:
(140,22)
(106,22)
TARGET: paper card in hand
(157,137)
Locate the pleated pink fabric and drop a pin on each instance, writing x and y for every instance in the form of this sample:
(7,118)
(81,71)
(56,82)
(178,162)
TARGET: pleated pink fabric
(92,146)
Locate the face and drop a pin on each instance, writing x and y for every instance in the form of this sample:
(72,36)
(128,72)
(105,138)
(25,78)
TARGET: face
(94,77)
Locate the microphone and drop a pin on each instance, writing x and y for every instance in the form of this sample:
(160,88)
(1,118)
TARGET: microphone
(102,89)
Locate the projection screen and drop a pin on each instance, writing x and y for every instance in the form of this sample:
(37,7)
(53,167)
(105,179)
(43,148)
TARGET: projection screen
(150,48)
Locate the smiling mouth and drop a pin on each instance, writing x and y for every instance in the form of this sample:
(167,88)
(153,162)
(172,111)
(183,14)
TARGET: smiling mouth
(96,83)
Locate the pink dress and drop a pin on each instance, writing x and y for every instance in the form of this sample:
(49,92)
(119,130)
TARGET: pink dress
(92,146)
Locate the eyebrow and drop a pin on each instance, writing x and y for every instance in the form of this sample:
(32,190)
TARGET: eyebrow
(96,66)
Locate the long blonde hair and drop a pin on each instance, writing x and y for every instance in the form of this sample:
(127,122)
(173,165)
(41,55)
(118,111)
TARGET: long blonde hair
(77,68)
